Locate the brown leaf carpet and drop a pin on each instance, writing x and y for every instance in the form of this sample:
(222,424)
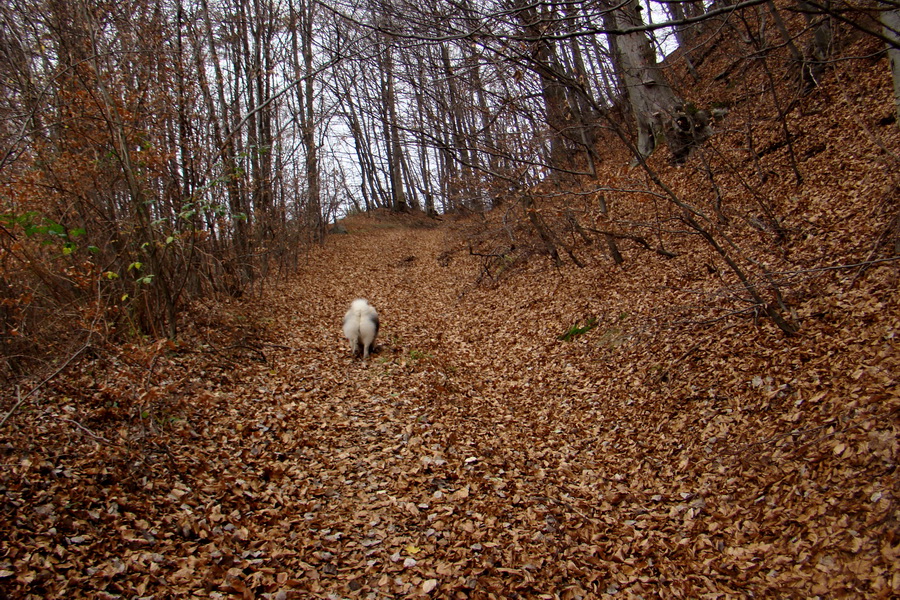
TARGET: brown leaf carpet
(474,455)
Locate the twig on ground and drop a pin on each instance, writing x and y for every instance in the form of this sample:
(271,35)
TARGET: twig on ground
(41,384)
(86,430)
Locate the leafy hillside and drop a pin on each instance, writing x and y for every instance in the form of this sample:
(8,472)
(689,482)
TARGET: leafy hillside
(527,428)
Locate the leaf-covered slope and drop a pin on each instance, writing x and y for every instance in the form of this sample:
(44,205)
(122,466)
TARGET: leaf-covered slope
(475,455)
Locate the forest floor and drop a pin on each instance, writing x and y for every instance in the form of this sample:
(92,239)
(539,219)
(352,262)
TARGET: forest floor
(475,454)
(523,430)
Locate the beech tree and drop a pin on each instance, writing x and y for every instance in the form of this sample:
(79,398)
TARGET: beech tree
(652,100)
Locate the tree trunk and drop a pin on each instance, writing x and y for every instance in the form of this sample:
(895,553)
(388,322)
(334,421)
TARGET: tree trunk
(610,239)
(392,131)
(653,103)
(308,125)
(456,124)
(542,230)
(890,22)
(537,21)
(818,51)
(226,147)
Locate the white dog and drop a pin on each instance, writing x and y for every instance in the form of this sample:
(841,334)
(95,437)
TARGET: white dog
(361,326)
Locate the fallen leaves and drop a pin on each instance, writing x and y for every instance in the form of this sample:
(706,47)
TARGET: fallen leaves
(475,454)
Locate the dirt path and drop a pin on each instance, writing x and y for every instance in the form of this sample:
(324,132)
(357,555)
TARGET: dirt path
(431,468)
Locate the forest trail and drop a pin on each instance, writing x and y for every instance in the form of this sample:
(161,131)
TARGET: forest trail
(474,455)
(466,456)
(432,466)
(425,467)
(478,455)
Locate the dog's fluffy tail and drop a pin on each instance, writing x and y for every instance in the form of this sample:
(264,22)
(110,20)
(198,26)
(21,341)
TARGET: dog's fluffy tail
(361,326)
